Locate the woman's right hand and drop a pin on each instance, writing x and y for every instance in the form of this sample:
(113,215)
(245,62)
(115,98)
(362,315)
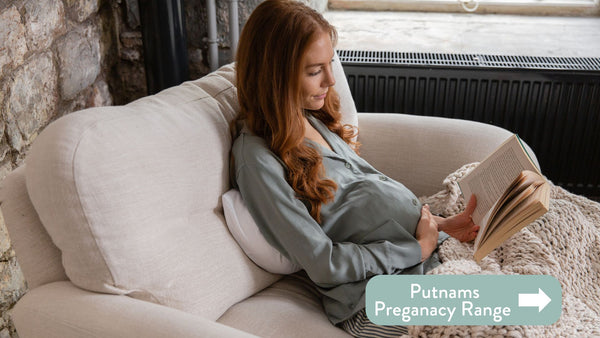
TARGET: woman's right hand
(427,233)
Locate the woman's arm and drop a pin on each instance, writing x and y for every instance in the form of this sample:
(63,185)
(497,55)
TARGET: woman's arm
(427,232)
(287,225)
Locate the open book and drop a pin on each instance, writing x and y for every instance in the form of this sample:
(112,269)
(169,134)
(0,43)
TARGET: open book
(511,193)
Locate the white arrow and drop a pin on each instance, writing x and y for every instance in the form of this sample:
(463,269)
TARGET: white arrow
(539,299)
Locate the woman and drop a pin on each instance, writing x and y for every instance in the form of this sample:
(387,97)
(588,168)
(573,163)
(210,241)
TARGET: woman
(313,197)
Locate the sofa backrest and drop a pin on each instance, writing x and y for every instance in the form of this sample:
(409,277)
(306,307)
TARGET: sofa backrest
(131,195)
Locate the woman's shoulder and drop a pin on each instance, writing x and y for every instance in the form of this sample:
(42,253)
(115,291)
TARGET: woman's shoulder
(249,149)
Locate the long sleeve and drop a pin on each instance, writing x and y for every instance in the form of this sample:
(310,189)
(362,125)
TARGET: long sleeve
(287,225)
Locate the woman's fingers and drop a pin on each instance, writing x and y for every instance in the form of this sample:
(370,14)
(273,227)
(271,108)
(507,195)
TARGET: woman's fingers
(425,211)
(475,230)
(471,206)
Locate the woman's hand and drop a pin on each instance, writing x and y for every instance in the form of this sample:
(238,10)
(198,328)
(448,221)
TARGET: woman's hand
(461,226)
(427,233)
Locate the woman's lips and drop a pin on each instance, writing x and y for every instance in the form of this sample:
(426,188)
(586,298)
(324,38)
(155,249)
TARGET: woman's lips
(320,97)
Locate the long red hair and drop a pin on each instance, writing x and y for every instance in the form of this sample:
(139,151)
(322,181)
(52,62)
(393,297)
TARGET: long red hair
(269,64)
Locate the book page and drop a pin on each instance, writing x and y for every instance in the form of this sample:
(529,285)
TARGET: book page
(516,220)
(525,180)
(514,206)
(490,179)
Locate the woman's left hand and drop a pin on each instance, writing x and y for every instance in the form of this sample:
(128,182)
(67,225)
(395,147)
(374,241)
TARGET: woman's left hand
(461,226)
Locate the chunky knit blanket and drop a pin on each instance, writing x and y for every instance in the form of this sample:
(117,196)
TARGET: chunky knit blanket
(564,243)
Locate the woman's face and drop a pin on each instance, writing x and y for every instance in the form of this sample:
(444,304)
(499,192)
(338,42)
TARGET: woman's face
(317,75)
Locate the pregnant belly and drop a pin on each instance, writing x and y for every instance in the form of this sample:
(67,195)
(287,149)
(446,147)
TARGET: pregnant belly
(368,211)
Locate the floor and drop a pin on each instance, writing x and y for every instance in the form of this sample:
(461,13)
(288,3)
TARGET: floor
(467,33)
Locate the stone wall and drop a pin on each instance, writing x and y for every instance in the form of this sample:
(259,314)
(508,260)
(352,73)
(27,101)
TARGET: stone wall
(52,62)
(59,56)
(50,65)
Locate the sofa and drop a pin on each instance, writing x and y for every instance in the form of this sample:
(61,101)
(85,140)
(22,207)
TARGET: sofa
(117,221)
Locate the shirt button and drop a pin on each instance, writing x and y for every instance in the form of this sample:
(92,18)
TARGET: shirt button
(348,165)
(382,178)
(415,202)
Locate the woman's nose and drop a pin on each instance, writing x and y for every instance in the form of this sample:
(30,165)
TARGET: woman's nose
(329,79)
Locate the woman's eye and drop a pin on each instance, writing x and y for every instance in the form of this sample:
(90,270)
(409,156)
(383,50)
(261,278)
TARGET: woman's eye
(315,73)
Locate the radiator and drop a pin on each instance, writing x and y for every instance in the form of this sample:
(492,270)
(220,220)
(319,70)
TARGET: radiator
(553,103)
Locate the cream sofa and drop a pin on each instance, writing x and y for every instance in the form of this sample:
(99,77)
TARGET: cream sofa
(117,222)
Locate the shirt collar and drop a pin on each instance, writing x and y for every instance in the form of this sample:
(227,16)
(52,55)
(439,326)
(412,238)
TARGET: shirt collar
(330,137)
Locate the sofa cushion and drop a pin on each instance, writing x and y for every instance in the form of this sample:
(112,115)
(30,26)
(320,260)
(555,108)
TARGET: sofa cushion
(289,308)
(131,197)
(62,310)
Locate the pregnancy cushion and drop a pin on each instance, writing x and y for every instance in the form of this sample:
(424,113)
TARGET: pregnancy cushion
(251,240)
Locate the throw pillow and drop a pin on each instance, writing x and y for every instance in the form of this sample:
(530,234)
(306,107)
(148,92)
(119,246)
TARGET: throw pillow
(250,239)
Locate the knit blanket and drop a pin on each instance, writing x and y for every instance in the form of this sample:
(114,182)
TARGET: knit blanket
(564,243)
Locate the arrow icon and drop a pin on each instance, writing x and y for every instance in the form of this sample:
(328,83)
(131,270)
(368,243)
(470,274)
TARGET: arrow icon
(539,299)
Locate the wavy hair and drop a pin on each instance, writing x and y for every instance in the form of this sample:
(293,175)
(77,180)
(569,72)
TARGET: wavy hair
(269,61)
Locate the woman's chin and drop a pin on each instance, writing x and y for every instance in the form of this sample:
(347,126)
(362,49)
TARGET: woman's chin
(316,104)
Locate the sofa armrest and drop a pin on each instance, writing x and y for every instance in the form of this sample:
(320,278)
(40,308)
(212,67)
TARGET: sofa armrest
(420,151)
(61,309)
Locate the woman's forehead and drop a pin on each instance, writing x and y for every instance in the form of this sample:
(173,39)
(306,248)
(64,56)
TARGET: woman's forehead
(320,51)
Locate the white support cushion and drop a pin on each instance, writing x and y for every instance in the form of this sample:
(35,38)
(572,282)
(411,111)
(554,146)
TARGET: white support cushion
(251,240)
(347,106)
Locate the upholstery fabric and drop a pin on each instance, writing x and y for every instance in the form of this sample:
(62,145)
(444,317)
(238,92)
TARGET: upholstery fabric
(131,196)
(289,308)
(59,310)
(394,144)
(38,257)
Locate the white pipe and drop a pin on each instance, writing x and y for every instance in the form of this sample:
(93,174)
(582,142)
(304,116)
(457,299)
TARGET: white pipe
(234,27)
(213,42)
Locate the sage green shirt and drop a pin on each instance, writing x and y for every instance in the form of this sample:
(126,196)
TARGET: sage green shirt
(367,230)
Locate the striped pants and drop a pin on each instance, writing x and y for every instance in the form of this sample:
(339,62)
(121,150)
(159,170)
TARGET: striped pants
(361,327)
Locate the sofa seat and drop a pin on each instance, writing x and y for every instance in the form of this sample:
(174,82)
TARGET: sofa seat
(60,309)
(289,308)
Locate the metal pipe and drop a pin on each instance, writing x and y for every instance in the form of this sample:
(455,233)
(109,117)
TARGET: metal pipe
(234,27)
(213,42)
(164,39)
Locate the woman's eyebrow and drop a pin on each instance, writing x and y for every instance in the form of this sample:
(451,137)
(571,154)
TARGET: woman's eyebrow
(319,64)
